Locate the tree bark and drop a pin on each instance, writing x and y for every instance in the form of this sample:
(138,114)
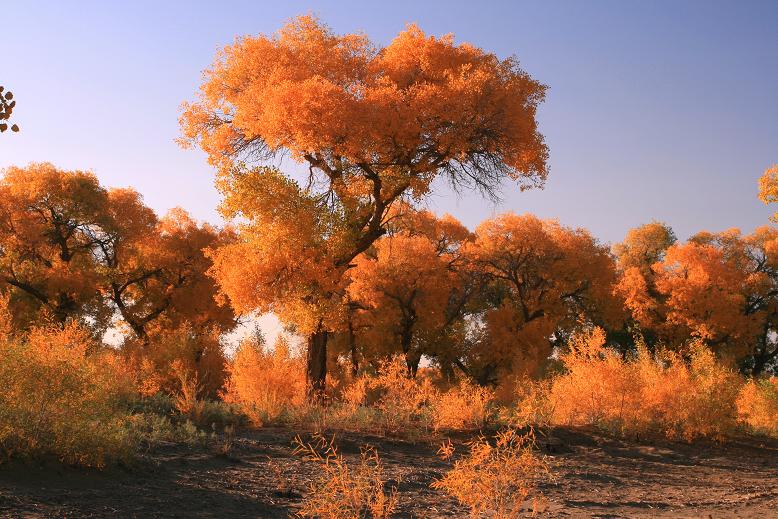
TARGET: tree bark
(352,346)
(317,365)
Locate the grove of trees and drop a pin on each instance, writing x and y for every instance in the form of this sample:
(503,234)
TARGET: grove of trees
(345,254)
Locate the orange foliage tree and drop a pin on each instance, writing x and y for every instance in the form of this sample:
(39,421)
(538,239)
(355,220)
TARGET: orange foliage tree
(155,271)
(768,187)
(403,286)
(373,125)
(719,287)
(75,251)
(50,223)
(544,280)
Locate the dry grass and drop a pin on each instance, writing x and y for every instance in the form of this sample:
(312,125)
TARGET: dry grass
(496,478)
(342,490)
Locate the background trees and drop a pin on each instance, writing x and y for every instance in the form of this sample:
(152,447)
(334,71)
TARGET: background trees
(403,287)
(543,281)
(373,125)
(718,287)
(73,251)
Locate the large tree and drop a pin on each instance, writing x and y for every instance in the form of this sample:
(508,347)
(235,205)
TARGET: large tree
(720,287)
(373,125)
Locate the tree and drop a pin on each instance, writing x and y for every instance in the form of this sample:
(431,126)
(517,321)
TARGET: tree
(7,105)
(373,125)
(719,287)
(155,270)
(403,285)
(544,280)
(72,250)
(642,247)
(51,221)
(768,188)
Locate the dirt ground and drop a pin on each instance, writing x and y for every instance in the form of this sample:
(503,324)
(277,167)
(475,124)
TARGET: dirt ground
(596,477)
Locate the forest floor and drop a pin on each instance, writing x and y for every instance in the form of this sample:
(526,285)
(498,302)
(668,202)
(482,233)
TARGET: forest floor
(596,476)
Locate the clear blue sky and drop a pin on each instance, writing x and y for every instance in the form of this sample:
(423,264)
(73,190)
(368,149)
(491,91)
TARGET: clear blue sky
(665,110)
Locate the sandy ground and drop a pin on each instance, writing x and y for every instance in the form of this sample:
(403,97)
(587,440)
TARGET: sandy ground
(595,477)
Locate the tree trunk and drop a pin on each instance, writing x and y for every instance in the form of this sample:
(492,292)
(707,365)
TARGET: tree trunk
(412,361)
(317,365)
(352,346)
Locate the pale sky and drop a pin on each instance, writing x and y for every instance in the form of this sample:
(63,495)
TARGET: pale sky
(656,110)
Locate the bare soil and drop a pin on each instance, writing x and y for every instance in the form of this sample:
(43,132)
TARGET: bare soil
(596,476)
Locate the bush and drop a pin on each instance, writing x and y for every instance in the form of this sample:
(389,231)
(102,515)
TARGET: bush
(495,479)
(388,401)
(159,366)
(463,407)
(265,385)
(341,490)
(64,396)
(757,406)
(648,394)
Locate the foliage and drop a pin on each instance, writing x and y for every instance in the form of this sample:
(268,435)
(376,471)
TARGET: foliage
(544,278)
(719,287)
(63,396)
(649,394)
(757,406)
(406,291)
(402,403)
(176,357)
(374,126)
(7,105)
(264,384)
(465,406)
(343,490)
(76,251)
(496,479)
(768,187)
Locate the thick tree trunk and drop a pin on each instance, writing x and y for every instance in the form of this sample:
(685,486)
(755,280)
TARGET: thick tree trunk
(317,365)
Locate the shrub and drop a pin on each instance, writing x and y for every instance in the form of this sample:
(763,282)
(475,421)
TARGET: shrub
(265,384)
(159,365)
(64,396)
(389,400)
(663,393)
(342,490)
(495,479)
(757,406)
(465,406)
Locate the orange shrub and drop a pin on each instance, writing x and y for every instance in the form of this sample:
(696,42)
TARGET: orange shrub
(757,406)
(496,479)
(63,395)
(265,384)
(160,364)
(343,490)
(662,394)
(399,403)
(465,406)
